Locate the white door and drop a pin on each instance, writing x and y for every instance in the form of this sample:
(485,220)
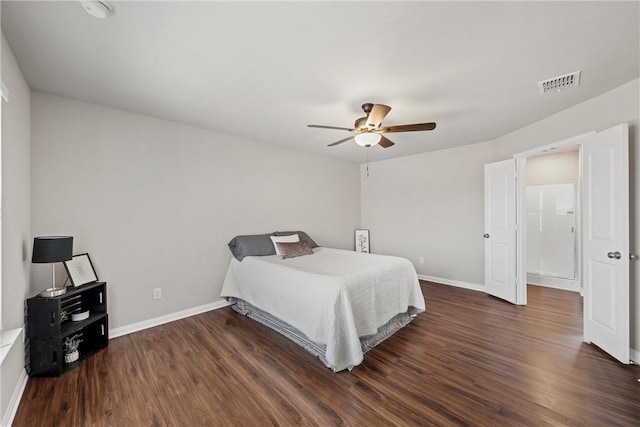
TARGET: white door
(499,229)
(605,201)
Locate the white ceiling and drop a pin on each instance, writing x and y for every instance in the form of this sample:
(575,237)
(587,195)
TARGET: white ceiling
(264,70)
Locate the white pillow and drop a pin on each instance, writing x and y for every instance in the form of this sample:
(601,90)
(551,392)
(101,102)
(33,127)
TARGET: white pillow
(284,239)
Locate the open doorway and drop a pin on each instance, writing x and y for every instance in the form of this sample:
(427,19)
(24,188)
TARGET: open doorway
(538,162)
(602,229)
(552,212)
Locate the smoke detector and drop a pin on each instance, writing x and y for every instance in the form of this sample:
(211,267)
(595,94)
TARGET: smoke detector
(556,84)
(98,8)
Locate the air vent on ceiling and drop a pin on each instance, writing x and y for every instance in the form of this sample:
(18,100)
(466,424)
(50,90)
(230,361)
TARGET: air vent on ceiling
(556,84)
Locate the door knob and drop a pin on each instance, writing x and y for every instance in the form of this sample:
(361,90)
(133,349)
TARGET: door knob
(486,236)
(633,256)
(616,255)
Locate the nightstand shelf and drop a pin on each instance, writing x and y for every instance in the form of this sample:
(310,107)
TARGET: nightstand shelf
(46,332)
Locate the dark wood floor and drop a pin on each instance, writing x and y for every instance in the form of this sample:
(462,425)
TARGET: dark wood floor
(469,360)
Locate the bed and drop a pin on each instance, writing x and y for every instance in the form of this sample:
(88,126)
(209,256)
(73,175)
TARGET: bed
(336,304)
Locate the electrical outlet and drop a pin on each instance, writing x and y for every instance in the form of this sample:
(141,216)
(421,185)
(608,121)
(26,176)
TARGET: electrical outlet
(421,260)
(157,293)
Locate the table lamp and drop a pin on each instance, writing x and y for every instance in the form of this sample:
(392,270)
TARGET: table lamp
(52,249)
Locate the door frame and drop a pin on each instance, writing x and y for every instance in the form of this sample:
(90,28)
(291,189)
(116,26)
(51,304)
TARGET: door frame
(521,210)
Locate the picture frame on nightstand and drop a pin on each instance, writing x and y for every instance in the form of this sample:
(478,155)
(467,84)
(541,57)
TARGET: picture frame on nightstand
(80,270)
(362,241)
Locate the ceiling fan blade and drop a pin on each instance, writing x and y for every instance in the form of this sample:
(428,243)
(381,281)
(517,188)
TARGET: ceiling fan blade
(377,114)
(385,142)
(409,128)
(330,127)
(340,142)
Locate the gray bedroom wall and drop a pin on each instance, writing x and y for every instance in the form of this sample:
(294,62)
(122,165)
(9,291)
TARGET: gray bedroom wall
(155,203)
(427,206)
(16,217)
(431,205)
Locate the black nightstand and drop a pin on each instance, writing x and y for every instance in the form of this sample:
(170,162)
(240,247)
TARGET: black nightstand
(46,332)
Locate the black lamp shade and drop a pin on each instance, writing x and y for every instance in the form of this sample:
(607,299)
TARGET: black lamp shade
(48,249)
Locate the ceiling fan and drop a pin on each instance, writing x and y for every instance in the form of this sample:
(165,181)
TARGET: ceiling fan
(369,130)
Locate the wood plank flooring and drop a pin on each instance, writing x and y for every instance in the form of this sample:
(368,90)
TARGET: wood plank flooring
(469,360)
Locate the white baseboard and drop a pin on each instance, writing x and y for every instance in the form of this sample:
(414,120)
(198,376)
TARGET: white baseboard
(441,280)
(157,321)
(553,282)
(634,355)
(12,408)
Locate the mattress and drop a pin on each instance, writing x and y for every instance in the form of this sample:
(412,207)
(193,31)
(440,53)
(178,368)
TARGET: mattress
(332,297)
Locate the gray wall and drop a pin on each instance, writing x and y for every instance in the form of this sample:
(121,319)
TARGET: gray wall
(431,205)
(16,216)
(154,202)
(427,206)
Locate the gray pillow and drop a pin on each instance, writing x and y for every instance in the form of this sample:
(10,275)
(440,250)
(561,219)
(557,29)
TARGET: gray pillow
(251,245)
(301,234)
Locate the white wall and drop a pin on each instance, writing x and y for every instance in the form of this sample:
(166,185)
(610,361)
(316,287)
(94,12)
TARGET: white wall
(155,203)
(559,168)
(431,205)
(16,216)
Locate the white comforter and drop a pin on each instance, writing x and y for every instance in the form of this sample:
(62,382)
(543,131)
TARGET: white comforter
(333,296)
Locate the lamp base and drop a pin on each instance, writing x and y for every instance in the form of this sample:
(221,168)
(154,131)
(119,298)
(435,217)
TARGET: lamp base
(53,292)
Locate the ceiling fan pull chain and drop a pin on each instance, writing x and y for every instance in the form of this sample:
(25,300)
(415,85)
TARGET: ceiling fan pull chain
(367,162)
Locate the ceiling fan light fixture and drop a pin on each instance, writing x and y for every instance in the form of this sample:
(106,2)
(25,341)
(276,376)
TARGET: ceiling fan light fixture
(367,139)
(368,130)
